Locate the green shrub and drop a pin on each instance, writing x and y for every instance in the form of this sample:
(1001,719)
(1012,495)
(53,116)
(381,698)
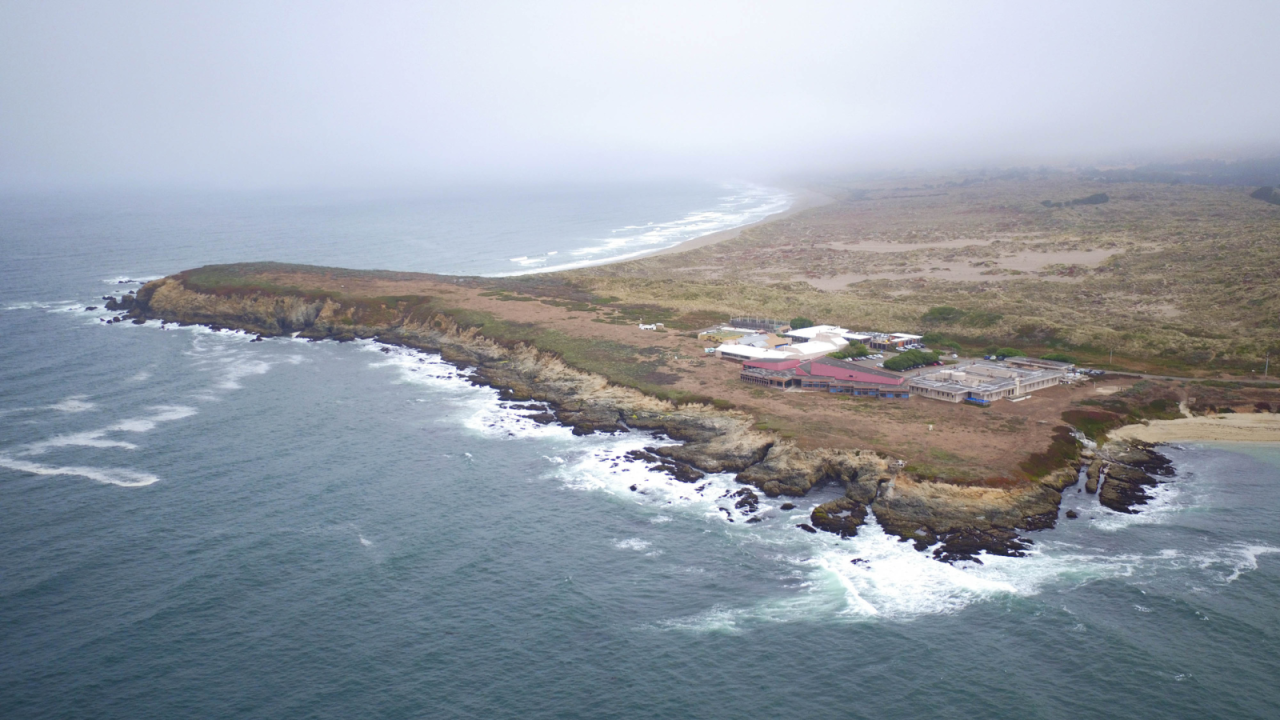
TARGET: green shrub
(1058,357)
(982,318)
(943,314)
(798,323)
(910,359)
(1009,352)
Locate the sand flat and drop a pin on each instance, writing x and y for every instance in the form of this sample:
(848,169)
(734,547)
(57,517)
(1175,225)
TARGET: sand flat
(1241,427)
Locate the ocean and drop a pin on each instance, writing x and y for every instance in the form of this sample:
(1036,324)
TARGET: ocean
(197,526)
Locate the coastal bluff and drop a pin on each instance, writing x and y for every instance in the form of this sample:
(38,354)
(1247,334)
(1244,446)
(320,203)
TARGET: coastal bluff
(957,519)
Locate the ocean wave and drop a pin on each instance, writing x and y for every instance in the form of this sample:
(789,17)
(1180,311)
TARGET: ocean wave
(97,438)
(870,577)
(108,476)
(746,204)
(73,404)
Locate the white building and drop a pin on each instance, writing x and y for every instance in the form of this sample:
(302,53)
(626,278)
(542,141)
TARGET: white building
(822,345)
(983,383)
(813,332)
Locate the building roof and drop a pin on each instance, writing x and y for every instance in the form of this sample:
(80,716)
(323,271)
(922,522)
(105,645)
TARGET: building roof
(980,378)
(845,365)
(754,353)
(814,346)
(810,333)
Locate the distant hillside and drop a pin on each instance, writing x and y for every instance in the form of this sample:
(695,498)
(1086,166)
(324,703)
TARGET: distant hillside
(1265,171)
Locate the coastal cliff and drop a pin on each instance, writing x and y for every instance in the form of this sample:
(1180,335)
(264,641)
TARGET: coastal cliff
(958,520)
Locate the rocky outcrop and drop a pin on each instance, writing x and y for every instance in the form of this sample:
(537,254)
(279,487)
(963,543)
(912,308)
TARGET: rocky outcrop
(960,521)
(1130,474)
(789,470)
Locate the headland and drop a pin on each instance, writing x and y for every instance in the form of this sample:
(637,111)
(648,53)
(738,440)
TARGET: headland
(616,348)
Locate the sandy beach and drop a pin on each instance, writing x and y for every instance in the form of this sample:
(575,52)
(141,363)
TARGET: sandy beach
(805,199)
(1253,427)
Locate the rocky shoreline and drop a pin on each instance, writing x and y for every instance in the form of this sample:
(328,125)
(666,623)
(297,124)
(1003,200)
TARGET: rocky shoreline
(959,521)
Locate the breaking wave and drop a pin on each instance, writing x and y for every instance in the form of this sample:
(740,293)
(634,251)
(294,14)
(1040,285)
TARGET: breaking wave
(743,205)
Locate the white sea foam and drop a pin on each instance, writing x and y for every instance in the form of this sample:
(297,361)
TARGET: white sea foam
(109,476)
(73,404)
(744,204)
(1166,500)
(127,280)
(870,576)
(478,409)
(97,438)
(231,360)
(47,305)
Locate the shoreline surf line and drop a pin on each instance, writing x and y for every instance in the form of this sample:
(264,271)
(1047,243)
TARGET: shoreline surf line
(805,199)
(802,199)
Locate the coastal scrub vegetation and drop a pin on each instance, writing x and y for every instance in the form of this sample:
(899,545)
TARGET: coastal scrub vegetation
(910,359)
(1166,278)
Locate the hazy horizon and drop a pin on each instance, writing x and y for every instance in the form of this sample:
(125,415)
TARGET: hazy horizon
(333,94)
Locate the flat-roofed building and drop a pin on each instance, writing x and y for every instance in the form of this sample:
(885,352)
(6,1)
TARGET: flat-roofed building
(813,332)
(824,344)
(983,383)
(891,341)
(1040,364)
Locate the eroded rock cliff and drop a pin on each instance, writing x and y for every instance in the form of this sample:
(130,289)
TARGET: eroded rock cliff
(959,520)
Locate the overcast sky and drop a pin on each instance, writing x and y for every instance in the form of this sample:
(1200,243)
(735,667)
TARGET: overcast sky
(280,93)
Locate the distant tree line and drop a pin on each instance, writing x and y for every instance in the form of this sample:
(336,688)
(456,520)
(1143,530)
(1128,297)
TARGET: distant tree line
(1095,199)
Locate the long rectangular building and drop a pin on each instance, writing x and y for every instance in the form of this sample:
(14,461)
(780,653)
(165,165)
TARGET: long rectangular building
(983,383)
(825,374)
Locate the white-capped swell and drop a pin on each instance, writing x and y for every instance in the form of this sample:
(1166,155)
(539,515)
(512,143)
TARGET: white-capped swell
(97,438)
(73,404)
(109,476)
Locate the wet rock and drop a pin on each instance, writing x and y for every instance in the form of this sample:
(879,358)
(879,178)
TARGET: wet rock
(633,488)
(788,506)
(842,516)
(544,418)
(754,519)
(1073,514)
(677,470)
(807,528)
(1143,456)
(1125,488)
(91,308)
(966,544)
(748,501)
(1091,476)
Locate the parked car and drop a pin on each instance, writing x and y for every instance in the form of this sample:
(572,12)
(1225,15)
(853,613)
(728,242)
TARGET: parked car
(879,365)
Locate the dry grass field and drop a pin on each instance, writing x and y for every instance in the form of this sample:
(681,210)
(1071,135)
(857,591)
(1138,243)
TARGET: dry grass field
(1180,278)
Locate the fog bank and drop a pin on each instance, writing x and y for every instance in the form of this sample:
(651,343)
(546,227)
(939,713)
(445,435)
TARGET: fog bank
(259,94)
